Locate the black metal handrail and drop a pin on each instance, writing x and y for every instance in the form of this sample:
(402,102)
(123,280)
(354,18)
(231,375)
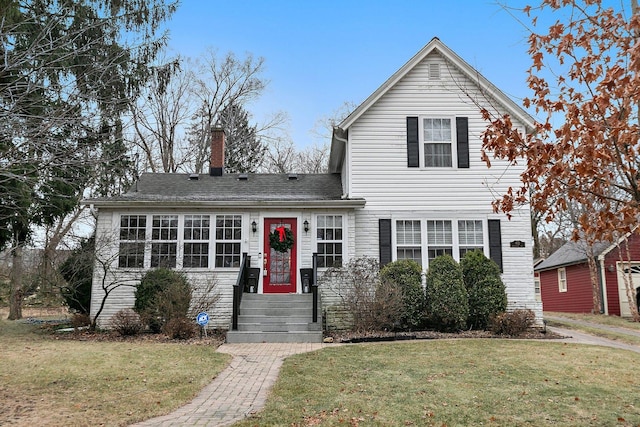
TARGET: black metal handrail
(314,287)
(238,289)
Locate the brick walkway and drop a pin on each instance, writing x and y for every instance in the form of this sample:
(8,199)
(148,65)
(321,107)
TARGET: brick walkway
(239,390)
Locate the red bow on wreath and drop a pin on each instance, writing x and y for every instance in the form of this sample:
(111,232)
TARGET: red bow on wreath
(281,232)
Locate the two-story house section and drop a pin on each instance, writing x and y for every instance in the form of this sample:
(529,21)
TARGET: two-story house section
(412,150)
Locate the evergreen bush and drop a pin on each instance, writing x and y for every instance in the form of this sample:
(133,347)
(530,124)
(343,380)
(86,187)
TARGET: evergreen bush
(162,294)
(487,293)
(447,300)
(407,276)
(77,271)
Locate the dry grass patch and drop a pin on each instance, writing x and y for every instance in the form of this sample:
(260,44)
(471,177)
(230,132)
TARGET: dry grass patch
(616,321)
(455,383)
(50,382)
(605,321)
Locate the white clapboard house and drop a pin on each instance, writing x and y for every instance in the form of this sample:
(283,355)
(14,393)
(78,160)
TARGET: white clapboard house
(405,180)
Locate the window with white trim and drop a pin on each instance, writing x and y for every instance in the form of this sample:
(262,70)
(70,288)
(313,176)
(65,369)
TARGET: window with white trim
(437,136)
(228,240)
(164,241)
(562,280)
(439,238)
(196,241)
(470,236)
(538,290)
(329,237)
(409,240)
(132,241)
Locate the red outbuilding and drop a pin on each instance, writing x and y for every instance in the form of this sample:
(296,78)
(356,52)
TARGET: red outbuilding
(565,282)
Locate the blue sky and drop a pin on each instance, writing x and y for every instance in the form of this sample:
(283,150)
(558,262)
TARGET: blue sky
(320,54)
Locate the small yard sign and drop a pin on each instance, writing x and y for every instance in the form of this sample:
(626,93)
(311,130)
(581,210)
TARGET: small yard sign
(202,319)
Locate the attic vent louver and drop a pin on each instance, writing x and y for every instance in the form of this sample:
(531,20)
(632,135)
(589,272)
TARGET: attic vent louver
(243,177)
(434,71)
(194,177)
(293,176)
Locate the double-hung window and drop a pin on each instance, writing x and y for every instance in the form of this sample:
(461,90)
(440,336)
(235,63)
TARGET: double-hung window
(470,236)
(439,238)
(196,241)
(562,280)
(164,241)
(228,240)
(409,240)
(329,235)
(438,142)
(132,241)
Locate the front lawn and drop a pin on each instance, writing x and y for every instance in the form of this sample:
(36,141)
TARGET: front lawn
(46,381)
(456,383)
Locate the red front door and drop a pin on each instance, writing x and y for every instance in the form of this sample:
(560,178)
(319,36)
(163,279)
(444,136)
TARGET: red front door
(280,267)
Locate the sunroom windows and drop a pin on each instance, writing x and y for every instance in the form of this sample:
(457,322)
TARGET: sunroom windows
(422,240)
(329,235)
(179,241)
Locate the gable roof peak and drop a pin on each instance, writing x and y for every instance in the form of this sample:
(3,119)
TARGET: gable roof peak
(435,44)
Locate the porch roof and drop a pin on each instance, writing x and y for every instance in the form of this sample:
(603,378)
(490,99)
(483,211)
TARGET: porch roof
(284,190)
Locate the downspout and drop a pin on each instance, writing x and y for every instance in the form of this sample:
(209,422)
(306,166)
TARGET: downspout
(603,284)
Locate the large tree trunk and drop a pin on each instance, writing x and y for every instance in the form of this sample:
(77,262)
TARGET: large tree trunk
(595,282)
(15,299)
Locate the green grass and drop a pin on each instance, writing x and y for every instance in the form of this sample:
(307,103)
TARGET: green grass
(456,383)
(50,382)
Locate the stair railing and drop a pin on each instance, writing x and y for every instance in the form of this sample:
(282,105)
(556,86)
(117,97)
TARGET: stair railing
(238,289)
(314,287)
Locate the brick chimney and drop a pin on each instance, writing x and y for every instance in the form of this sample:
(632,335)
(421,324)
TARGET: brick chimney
(217,151)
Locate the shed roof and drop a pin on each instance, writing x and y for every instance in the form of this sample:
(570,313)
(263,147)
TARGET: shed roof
(571,253)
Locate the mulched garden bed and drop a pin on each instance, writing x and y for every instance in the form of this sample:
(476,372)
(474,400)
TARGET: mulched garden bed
(217,338)
(376,336)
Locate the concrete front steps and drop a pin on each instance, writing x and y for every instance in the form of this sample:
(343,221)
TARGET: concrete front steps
(276,318)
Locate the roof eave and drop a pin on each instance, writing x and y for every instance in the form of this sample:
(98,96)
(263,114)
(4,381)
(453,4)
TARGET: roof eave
(339,139)
(556,266)
(284,204)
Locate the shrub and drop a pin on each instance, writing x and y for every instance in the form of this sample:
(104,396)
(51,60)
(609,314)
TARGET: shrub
(77,271)
(162,295)
(513,323)
(370,304)
(126,322)
(447,301)
(387,307)
(487,294)
(79,320)
(179,328)
(406,275)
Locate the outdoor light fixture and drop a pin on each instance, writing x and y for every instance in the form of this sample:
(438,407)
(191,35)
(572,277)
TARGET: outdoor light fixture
(254,226)
(306,225)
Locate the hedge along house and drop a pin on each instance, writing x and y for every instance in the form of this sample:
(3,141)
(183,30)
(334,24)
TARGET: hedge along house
(565,281)
(405,180)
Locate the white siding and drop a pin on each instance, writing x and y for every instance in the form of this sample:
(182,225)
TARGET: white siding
(107,230)
(377,151)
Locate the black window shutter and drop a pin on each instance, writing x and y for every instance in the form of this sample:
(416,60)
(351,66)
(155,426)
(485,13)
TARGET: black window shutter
(495,242)
(384,231)
(413,143)
(462,132)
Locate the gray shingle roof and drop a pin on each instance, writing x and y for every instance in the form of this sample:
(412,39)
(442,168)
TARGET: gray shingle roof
(571,253)
(177,187)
